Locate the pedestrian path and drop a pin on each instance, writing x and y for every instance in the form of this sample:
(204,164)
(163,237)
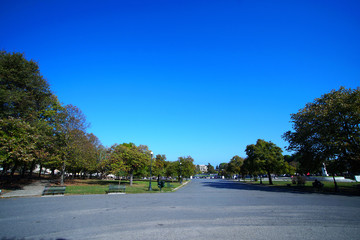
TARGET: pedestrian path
(34,189)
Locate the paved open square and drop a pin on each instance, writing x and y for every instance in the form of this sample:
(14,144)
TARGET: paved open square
(203,209)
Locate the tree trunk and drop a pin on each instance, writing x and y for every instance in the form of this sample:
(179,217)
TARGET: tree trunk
(5,168)
(13,169)
(62,174)
(270,180)
(131,178)
(32,166)
(23,170)
(40,171)
(336,186)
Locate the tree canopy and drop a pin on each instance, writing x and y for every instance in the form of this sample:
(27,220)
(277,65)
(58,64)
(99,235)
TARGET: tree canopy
(265,157)
(36,129)
(328,129)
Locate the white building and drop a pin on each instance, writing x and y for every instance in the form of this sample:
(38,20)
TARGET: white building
(203,168)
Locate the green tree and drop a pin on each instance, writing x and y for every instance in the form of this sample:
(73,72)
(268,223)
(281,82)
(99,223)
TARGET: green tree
(223,170)
(117,163)
(265,156)
(159,165)
(210,169)
(328,129)
(171,169)
(135,158)
(234,166)
(24,93)
(185,167)
(70,127)
(25,97)
(17,143)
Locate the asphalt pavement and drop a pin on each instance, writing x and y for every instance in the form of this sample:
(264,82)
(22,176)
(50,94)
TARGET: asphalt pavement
(203,209)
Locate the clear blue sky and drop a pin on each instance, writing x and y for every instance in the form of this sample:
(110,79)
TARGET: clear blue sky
(199,78)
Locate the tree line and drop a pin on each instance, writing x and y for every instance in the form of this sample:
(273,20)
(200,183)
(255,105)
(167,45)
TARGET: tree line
(36,129)
(326,135)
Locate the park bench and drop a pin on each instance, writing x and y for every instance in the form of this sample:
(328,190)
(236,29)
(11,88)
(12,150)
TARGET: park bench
(116,188)
(52,190)
(317,185)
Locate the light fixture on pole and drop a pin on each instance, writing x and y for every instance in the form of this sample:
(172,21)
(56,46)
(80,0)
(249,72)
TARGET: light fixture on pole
(151,156)
(180,172)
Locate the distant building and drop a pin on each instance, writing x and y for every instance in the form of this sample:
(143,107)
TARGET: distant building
(203,168)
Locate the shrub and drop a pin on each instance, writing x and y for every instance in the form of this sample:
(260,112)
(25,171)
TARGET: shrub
(300,180)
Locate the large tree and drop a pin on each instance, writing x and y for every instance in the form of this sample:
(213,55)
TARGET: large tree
(265,157)
(223,170)
(17,143)
(210,169)
(234,166)
(70,128)
(135,158)
(328,130)
(159,165)
(26,101)
(185,167)
(24,93)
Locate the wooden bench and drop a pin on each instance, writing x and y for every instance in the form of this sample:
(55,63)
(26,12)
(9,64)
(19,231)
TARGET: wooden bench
(54,190)
(116,188)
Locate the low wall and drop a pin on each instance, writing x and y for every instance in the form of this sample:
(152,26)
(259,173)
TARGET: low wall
(329,179)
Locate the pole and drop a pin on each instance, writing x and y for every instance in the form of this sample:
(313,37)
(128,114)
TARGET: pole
(151,156)
(180,173)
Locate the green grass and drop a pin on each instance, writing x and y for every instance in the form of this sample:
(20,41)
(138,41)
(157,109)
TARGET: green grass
(101,186)
(329,187)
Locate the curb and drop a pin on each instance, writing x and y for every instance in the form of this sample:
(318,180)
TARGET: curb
(180,186)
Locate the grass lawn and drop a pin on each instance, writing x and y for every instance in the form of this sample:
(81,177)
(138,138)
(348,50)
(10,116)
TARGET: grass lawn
(345,188)
(91,186)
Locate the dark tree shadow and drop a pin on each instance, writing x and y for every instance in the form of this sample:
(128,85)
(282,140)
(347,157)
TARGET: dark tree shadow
(268,188)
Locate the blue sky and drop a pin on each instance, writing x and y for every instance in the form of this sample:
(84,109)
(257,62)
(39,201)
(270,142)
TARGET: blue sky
(199,78)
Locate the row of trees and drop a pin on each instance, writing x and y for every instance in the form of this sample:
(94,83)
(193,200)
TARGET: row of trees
(326,135)
(127,159)
(36,129)
(262,158)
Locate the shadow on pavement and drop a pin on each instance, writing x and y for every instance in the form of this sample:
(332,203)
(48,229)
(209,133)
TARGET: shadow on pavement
(267,188)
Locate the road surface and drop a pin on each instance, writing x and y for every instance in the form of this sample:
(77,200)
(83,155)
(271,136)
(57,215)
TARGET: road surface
(204,209)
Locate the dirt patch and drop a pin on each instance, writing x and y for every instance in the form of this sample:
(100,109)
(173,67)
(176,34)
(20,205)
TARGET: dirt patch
(14,183)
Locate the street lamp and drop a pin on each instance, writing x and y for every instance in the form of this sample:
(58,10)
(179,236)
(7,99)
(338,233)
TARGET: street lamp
(180,172)
(151,156)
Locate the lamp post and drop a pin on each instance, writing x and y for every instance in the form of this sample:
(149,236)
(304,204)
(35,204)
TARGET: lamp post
(180,172)
(151,156)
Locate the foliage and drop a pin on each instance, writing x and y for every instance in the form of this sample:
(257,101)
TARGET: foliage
(210,169)
(134,159)
(27,104)
(171,169)
(185,166)
(24,93)
(265,157)
(17,141)
(223,170)
(159,165)
(235,164)
(328,129)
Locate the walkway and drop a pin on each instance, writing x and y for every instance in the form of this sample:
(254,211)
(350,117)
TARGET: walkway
(34,189)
